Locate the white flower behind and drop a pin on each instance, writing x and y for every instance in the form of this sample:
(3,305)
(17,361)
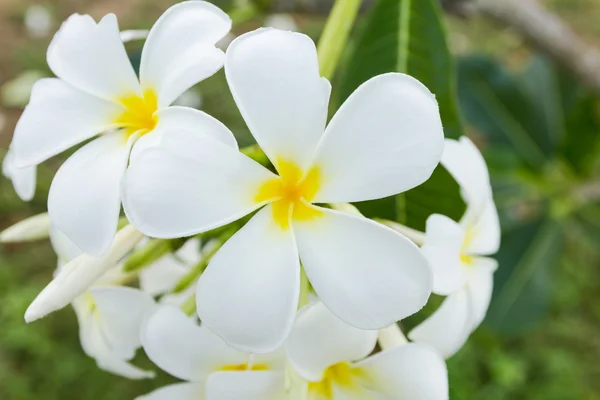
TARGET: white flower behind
(335,358)
(97,92)
(386,138)
(458,253)
(110,316)
(211,369)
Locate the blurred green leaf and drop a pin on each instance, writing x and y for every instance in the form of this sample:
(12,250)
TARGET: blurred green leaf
(582,141)
(408,36)
(527,261)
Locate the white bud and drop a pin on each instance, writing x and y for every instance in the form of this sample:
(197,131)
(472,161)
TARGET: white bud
(27,230)
(391,337)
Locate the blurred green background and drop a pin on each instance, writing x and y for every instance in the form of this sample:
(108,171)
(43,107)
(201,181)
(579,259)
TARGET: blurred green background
(538,127)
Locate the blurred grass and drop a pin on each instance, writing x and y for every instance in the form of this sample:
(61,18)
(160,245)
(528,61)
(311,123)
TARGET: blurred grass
(557,360)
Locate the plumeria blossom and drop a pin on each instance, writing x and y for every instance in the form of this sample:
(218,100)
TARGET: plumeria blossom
(385,139)
(23,179)
(76,276)
(211,369)
(97,92)
(458,253)
(160,278)
(109,315)
(334,357)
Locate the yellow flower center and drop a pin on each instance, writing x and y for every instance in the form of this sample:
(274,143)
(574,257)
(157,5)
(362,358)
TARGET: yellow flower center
(244,367)
(139,115)
(290,193)
(341,375)
(465,257)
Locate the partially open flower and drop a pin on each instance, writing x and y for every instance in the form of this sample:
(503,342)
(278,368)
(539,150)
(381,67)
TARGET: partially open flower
(98,92)
(457,253)
(386,138)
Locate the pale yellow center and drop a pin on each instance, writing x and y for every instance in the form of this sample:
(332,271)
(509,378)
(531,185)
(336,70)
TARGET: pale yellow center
(341,375)
(244,367)
(290,193)
(465,257)
(140,113)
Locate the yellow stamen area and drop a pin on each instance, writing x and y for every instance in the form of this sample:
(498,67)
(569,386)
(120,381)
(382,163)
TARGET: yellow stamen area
(465,257)
(340,374)
(244,367)
(139,115)
(290,193)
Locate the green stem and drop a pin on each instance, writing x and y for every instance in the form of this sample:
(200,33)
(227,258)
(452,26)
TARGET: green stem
(304,289)
(189,307)
(335,34)
(151,252)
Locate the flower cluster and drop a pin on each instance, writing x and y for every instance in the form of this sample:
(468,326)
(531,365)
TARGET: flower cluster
(290,283)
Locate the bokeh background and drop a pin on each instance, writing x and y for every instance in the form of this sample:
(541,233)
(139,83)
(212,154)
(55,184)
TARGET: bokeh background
(539,128)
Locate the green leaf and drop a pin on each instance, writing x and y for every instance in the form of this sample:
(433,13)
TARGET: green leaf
(582,141)
(408,36)
(523,282)
(500,107)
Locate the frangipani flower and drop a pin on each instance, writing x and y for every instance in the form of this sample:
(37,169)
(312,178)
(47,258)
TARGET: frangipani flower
(97,92)
(386,138)
(80,273)
(457,253)
(212,370)
(23,179)
(334,357)
(109,316)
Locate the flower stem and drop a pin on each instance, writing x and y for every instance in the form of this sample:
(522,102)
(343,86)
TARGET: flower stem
(189,307)
(335,34)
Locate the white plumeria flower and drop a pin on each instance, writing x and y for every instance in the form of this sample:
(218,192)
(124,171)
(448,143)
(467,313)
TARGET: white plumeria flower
(211,369)
(385,139)
(76,276)
(30,229)
(97,91)
(109,316)
(160,278)
(334,357)
(23,179)
(457,253)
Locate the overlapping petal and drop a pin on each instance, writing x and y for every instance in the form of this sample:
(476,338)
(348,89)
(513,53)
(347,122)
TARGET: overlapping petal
(275,81)
(249,292)
(483,230)
(386,138)
(367,274)
(247,385)
(92,57)
(443,246)
(85,196)
(319,340)
(180,49)
(179,391)
(201,187)
(410,371)
(183,349)
(448,328)
(58,116)
(23,179)
(481,282)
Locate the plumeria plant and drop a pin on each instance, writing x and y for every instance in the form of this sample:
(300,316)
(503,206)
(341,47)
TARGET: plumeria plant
(248,273)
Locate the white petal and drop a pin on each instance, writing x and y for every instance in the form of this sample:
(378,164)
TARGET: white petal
(33,228)
(367,274)
(319,340)
(442,248)
(178,391)
(130,35)
(411,371)
(64,247)
(92,57)
(123,368)
(448,328)
(385,139)
(85,196)
(248,295)
(192,126)
(121,311)
(23,179)
(191,253)
(58,116)
(391,337)
(162,275)
(483,230)
(466,164)
(180,347)
(481,282)
(78,275)
(275,81)
(201,187)
(180,49)
(247,385)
